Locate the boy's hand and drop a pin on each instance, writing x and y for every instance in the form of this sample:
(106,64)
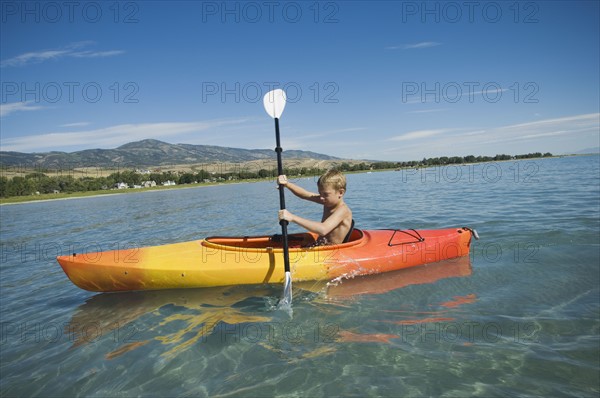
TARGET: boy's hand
(282,180)
(285,215)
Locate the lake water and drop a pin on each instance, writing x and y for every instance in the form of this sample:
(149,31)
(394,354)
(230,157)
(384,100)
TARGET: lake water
(518,317)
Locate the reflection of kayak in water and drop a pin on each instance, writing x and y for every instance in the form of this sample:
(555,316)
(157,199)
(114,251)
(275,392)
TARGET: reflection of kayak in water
(382,283)
(125,307)
(222,261)
(181,318)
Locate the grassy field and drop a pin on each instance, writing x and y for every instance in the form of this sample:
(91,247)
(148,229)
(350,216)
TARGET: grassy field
(216,167)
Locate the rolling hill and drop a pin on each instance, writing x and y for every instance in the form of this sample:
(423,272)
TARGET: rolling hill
(147,153)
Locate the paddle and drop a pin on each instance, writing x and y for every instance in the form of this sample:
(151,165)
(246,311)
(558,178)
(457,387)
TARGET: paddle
(274,102)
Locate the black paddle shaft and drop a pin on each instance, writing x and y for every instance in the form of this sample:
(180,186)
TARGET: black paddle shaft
(283,223)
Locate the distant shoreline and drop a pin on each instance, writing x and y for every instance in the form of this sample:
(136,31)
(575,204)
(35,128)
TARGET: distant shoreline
(15,200)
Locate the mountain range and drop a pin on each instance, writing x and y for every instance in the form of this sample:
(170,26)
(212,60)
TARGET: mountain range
(148,153)
(588,151)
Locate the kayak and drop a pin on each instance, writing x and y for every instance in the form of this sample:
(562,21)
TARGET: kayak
(224,261)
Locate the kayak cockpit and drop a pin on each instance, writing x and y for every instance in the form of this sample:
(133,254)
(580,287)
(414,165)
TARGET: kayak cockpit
(295,241)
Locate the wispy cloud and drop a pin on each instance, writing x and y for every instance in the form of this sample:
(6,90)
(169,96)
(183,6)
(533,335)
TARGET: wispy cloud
(588,119)
(73,50)
(7,109)
(412,46)
(77,124)
(454,94)
(419,134)
(557,135)
(110,137)
(327,133)
(568,126)
(428,111)
(324,138)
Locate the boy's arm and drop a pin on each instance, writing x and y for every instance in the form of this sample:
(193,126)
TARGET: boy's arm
(321,228)
(299,191)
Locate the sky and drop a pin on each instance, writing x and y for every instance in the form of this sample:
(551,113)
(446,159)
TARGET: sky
(390,80)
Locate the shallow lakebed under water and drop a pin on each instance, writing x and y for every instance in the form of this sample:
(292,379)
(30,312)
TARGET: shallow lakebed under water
(520,316)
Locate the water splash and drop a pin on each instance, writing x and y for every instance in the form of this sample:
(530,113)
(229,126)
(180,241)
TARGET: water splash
(285,303)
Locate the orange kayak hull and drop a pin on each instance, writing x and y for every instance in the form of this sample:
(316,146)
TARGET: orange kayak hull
(223,261)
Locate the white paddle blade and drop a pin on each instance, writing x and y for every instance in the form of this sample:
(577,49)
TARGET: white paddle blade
(274,102)
(286,300)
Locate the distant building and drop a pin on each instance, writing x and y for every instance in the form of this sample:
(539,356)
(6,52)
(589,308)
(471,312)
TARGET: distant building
(121,185)
(168,183)
(148,184)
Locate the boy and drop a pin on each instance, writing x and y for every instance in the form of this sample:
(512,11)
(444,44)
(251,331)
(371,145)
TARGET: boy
(337,216)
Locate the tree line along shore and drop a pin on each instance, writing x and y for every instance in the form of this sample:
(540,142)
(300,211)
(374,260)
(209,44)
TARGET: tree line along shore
(38,185)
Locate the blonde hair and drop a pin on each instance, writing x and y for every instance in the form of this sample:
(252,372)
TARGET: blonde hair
(333,178)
